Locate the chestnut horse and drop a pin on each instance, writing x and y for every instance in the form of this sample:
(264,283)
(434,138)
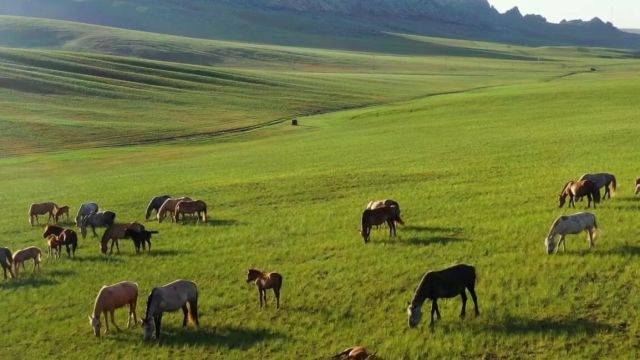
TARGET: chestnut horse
(41,209)
(577,189)
(60,212)
(54,244)
(265,281)
(113,297)
(169,206)
(198,207)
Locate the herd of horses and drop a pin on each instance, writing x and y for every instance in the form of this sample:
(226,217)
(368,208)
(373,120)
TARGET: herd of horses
(183,294)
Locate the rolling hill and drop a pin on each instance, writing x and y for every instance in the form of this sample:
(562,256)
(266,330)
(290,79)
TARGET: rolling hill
(354,24)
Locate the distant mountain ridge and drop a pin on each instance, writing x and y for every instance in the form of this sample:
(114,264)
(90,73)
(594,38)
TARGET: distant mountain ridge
(326,23)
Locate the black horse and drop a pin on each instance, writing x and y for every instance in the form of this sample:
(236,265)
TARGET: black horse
(68,237)
(447,283)
(155,204)
(140,238)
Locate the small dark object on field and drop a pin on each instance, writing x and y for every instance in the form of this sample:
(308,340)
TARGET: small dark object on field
(594,69)
(355,353)
(294,122)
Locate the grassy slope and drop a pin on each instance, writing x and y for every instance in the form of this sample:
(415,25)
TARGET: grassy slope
(476,173)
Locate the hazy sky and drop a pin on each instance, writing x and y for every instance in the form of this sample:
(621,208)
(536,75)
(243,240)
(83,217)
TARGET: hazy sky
(622,13)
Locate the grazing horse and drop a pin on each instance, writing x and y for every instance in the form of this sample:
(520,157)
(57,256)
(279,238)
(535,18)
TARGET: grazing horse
(198,207)
(41,209)
(376,204)
(265,281)
(54,244)
(99,219)
(85,210)
(60,212)
(20,256)
(155,204)
(578,189)
(114,297)
(602,180)
(354,353)
(374,217)
(140,238)
(170,297)
(572,224)
(169,205)
(6,261)
(446,284)
(115,232)
(68,237)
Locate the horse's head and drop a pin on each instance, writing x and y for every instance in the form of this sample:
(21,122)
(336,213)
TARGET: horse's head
(148,325)
(253,274)
(550,244)
(95,324)
(104,247)
(563,199)
(415,315)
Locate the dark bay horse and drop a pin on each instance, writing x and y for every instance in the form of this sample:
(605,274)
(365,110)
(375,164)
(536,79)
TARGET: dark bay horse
(154,205)
(265,281)
(94,220)
(169,298)
(602,180)
(67,237)
(378,216)
(6,261)
(446,284)
(140,237)
(577,189)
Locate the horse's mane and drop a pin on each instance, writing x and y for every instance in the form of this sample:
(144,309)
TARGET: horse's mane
(564,189)
(153,291)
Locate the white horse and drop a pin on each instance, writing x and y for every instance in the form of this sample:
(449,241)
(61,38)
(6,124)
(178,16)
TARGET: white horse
(85,210)
(602,180)
(571,224)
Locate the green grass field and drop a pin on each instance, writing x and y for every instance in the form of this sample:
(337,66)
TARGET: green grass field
(475,150)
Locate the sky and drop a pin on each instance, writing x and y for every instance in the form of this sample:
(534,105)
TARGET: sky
(622,13)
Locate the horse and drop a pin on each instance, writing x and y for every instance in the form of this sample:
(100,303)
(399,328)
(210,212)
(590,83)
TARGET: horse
(6,261)
(41,209)
(198,207)
(99,219)
(354,353)
(85,210)
(578,189)
(114,297)
(169,298)
(606,180)
(59,212)
(637,186)
(54,244)
(571,224)
(376,204)
(265,281)
(140,238)
(115,232)
(446,284)
(68,237)
(155,204)
(373,217)
(20,256)
(169,205)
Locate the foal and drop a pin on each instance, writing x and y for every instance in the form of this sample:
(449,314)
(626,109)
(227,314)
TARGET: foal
(59,213)
(265,281)
(55,245)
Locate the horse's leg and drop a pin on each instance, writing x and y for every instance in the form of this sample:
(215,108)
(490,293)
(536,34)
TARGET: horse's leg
(185,311)
(433,311)
(276,291)
(472,291)
(93,228)
(590,232)
(264,294)
(113,320)
(463,294)
(106,321)
(437,310)
(158,320)
(260,295)
(561,242)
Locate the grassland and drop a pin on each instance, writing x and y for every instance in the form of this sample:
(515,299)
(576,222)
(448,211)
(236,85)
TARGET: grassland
(476,170)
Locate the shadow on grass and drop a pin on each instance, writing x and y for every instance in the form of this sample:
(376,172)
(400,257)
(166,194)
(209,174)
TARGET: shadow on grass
(626,250)
(27,282)
(222,222)
(419,241)
(99,258)
(227,337)
(164,252)
(520,325)
(61,273)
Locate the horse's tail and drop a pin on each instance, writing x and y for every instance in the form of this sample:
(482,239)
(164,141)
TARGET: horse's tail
(193,308)
(399,220)
(614,183)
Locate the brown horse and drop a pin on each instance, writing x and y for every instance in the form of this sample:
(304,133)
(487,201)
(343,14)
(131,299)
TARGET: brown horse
(578,189)
(265,281)
(59,212)
(375,217)
(20,256)
(198,207)
(116,232)
(41,209)
(355,353)
(169,206)
(68,237)
(55,245)
(113,297)
(637,186)
(6,261)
